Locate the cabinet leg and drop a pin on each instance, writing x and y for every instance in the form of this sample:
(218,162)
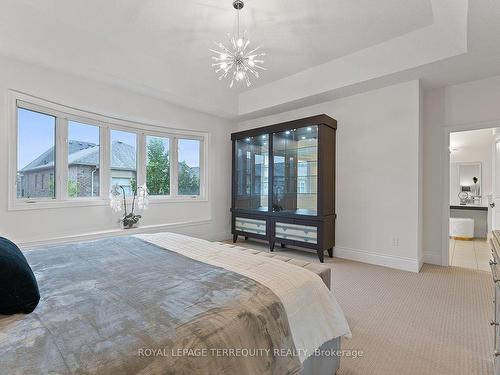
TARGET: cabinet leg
(246,238)
(330,252)
(271,245)
(321,255)
(235,238)
(282,245)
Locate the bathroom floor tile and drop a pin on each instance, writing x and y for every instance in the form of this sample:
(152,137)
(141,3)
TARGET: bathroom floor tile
(484,267)
(463,250)
(474,254)
(464,246)
(464,243)
(481,246)
(483,254)
(467,263)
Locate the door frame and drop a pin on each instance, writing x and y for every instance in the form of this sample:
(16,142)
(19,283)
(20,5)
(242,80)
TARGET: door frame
(494,187)
(445,179)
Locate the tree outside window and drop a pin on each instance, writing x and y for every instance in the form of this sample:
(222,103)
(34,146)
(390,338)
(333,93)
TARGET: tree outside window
(158,166)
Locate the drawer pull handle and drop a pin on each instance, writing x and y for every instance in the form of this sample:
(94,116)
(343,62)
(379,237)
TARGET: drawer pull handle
(496,353)
(493,323)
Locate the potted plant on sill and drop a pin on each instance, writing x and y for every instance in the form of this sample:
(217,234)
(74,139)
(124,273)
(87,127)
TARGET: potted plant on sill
(118,201)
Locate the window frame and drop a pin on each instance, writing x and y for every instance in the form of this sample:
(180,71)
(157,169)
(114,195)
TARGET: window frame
(63,115)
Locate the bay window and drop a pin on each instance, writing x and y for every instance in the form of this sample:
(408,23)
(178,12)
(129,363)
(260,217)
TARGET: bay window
(67,157)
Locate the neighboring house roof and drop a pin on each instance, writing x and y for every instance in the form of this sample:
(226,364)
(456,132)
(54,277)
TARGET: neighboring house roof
(86,153)
(87,156)
(123,156)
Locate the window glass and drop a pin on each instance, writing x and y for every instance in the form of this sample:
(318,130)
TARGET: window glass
(158,165)
(35,154)
(189,167)
(252,171)
(38,140)
(124,160)
(295,170)
(83,160)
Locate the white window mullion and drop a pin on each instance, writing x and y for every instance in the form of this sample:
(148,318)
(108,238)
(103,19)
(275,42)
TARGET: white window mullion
(13,147)
(203,175)
(141,159)
(105,162)
(203,168)
(174,172)
(61,170)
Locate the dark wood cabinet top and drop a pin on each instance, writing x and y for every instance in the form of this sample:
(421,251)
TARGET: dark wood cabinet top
(316,120)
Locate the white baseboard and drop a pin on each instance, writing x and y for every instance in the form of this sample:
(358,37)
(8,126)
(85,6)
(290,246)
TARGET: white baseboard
(433,258)
(121,232)
(401,263)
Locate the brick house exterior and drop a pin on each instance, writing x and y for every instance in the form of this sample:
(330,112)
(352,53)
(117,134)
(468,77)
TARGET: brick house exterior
(36,180)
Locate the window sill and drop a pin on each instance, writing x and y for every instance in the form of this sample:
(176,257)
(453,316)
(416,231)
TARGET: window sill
(156,200)
(46,204)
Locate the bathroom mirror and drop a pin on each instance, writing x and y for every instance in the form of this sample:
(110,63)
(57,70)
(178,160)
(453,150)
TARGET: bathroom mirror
(469,178)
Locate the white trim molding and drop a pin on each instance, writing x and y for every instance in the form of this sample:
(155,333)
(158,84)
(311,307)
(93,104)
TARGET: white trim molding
(89,236)
(431,257)
(391,261)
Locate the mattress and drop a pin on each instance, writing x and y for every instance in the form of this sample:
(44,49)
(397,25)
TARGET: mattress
(170,304)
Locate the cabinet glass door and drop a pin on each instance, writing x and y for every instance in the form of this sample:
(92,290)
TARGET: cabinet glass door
(295,179)
(252,173)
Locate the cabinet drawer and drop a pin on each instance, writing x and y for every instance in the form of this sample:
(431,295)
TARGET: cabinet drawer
(295,232)
(243,224)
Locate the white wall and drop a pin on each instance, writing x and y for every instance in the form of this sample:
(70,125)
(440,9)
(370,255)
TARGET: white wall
(378,177)
(467,106)
(208,219)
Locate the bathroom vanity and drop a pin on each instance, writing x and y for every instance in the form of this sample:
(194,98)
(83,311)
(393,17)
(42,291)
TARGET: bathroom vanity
(479,213)
(466,198)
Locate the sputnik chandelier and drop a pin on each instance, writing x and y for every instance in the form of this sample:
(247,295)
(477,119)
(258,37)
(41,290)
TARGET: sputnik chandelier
(237,62)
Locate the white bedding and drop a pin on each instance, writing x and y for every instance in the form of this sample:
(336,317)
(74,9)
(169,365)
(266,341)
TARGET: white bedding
(314,315)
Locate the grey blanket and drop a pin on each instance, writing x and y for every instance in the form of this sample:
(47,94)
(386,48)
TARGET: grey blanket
(124,306)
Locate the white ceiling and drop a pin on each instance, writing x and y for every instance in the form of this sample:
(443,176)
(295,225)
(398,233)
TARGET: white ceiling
(160,48)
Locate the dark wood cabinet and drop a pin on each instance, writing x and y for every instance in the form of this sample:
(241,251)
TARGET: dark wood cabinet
(283,188)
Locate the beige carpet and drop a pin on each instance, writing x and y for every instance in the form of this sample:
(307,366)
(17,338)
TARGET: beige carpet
(432,323)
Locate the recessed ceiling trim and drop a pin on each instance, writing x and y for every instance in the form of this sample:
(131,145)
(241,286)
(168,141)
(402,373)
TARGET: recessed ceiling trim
(445,38)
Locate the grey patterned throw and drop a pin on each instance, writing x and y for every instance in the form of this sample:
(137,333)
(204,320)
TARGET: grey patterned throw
(125,306)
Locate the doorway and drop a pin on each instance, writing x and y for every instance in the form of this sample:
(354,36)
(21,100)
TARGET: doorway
(472,181)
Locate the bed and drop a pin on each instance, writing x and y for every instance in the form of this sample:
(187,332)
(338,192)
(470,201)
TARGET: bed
(170,304)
